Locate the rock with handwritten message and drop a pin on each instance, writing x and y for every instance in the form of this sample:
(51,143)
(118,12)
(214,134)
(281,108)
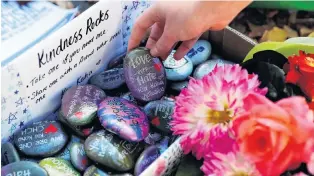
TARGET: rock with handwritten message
(78,157)
(200,52)
(123,118)
(58,166)
(160,114)
(9,154)
(178,86)
(148,156)
(177,70)
(79,104)
(44,138)
(21,168)
(144,74)
(111,151)
(208,66)
(65,153)
(108,80)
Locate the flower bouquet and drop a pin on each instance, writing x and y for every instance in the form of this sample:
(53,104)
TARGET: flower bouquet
(251,119)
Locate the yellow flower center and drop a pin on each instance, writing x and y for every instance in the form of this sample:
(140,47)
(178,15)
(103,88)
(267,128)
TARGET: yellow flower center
(216,117)
(240,173)
(309,61)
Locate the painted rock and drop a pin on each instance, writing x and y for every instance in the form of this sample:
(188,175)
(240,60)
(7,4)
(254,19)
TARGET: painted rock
(23,168)
(9,154)
(109,79)
(65,154)
(83,131)
(35,160)
(44,138)
(178,70)
(148,156)
(79,104)
(144,75)
(200,52)
(109,150)
(178,86)
(94,171)
(152,138)
(78,157)
(58,166)
(168,98)
(116,61)
(123,118)
(128,96)
(189,166)
(160,114)
(208,66)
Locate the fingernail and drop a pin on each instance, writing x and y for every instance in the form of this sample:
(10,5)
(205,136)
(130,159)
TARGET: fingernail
(153,52)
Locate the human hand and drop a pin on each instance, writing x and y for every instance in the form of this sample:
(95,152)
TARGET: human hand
(184,21)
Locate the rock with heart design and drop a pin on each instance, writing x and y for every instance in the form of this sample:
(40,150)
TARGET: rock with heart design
(178,86)
(65,153)
(144,75)
(123,118)
(78,157)
(109,79)
(148,156)
(178,70)
(58,166)
(200,52)
(44,138)
(79,104)
(208,66)
(23,168)
(9,153)
(111,151)
(160,114)
(82,131)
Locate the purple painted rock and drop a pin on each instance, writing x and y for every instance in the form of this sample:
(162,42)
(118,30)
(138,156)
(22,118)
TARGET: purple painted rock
(123,118)
(79,104)
(148,156)
(145,75)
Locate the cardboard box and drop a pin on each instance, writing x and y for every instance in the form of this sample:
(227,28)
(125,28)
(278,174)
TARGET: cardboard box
(32,84)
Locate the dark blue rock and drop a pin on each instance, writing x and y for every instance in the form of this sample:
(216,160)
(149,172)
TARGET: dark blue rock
(144,75)
(148,156)
(116,61)
(200,52)
(160,114)
(43,139)
(109,150)
(109,79)
(178,86)
(35,160)
(178,70)
(78,157)
(65,153)
(23,168)
(9,154)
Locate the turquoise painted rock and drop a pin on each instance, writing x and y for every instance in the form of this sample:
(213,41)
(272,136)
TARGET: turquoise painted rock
(178,86)
(78,157)
(178,70)
(109,150)
(65,153)
(58,166)
(79,104)
(23,168)
(9,154)
(44,138)
(123,118)
(109,79)
(200,52)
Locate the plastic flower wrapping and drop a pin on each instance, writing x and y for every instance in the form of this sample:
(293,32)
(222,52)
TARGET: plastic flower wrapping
(251,119)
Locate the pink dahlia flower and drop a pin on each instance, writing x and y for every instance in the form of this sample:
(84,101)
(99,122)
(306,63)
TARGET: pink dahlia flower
(209,103)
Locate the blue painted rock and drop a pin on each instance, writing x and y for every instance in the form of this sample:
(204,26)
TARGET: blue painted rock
(35,160)
(168,98)
(82,131)
(208,66)
(123,118)
(116,61)
(178,86)
(128,96)
(79,104)
(43,139)
(109,79)
(109,150)
(144,75)
(23,168)
(58,166)
(9,154)
(78,157)
(65,153)
(148,156)
(160,114)
(94,171)
(178,70)
(200,52)
(152,138)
